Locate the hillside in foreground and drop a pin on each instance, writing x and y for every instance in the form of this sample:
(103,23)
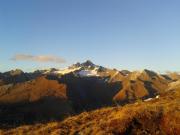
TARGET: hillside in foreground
(158,116)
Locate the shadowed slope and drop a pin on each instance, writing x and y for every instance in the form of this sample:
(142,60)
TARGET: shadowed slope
(89,93)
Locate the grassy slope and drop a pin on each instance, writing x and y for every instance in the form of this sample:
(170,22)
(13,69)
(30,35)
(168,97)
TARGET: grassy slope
(34,100)
(159,116)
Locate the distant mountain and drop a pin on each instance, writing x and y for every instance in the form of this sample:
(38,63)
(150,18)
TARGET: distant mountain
(39,99)
(141,85)
(17,76)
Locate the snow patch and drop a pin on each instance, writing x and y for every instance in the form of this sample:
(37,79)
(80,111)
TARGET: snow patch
(84,73)
(66,71)
(106,80)
(157,96)
(149,99)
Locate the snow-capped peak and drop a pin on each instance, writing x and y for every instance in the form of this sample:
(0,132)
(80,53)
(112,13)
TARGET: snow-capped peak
(67,70)
(85,65)
(85,69)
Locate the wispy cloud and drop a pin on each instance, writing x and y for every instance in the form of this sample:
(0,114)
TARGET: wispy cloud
(38,58)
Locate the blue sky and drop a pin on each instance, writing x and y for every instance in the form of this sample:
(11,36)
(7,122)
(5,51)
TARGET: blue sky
(122,34)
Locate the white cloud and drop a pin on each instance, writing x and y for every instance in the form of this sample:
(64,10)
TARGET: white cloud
(39,58)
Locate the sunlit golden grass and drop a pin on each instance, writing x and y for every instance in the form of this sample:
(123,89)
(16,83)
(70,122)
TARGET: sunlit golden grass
(159,116)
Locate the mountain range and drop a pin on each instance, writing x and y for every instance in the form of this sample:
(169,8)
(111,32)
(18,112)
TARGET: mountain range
(55,94)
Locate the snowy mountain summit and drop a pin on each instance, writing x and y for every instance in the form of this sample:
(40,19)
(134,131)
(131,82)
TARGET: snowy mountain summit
(85,69)
(85,65)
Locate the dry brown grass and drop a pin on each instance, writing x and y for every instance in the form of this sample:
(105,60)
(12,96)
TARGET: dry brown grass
(157,117)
